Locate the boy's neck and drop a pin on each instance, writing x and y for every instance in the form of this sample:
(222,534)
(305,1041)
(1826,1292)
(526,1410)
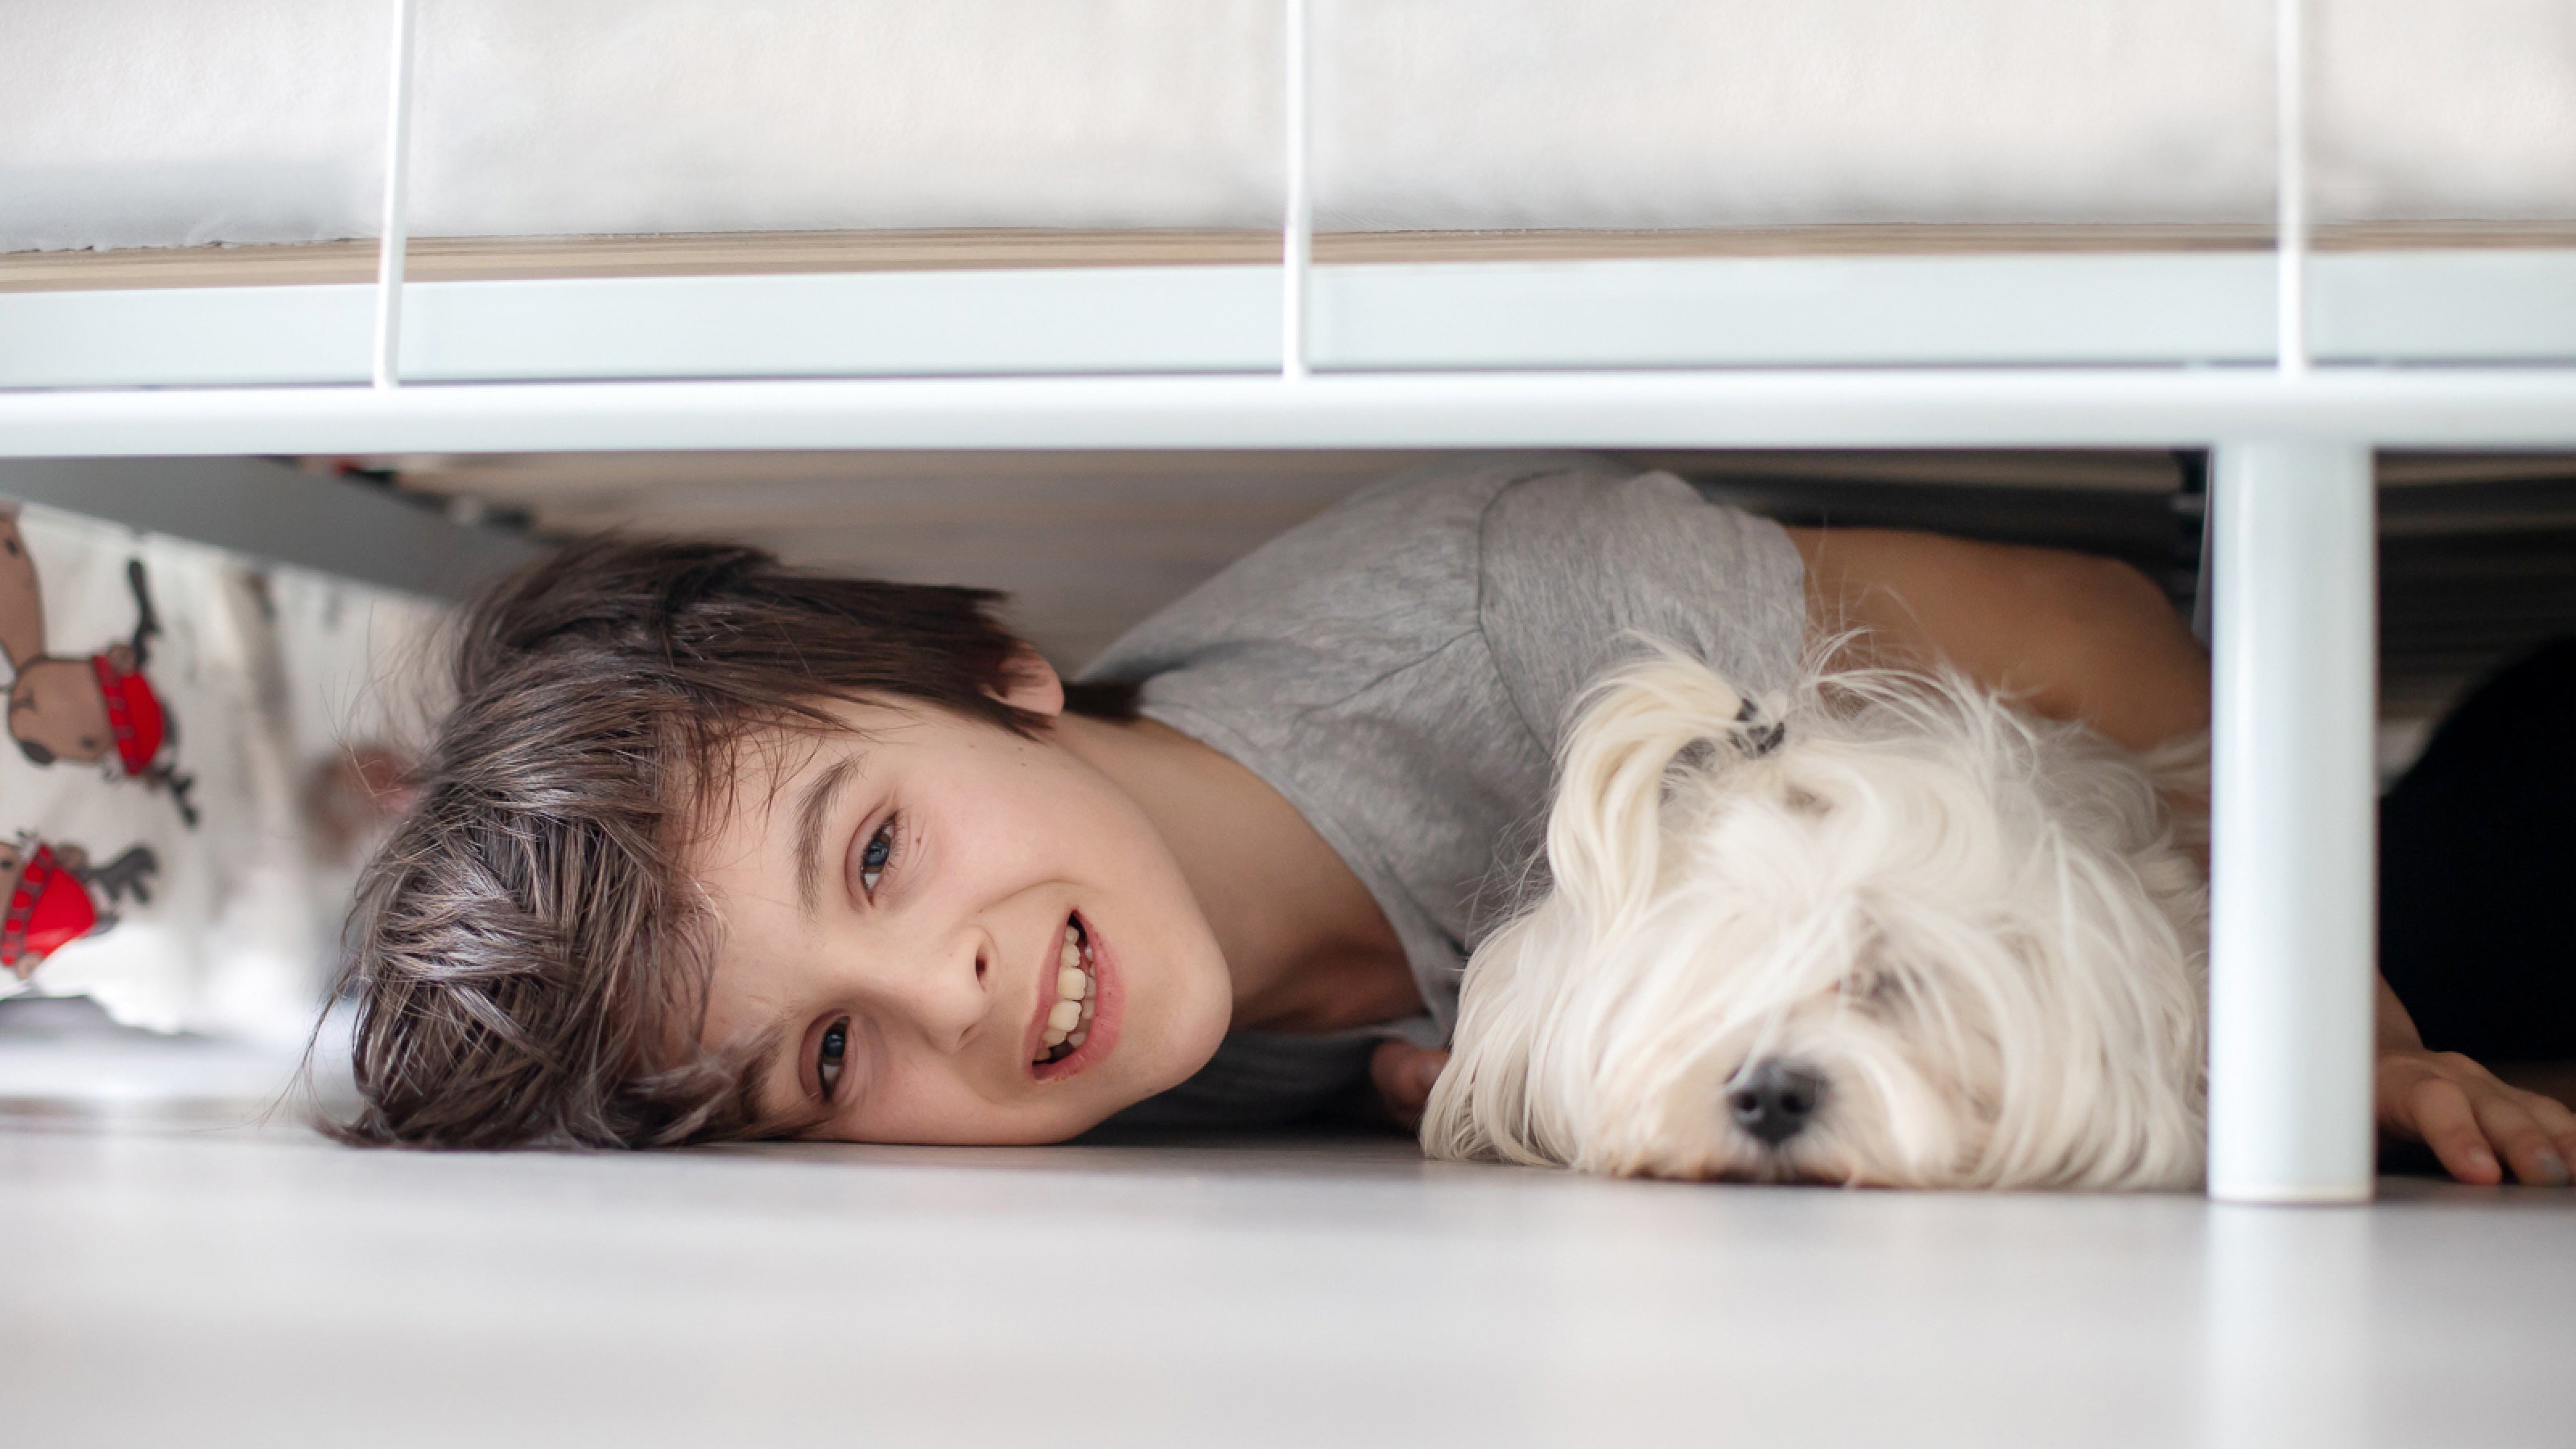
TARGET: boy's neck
(1306,944)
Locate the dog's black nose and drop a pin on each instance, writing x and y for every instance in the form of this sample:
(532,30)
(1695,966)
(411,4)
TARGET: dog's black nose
(1773,1100)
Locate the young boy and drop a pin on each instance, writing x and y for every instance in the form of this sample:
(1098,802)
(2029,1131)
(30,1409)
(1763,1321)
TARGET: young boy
(711,849)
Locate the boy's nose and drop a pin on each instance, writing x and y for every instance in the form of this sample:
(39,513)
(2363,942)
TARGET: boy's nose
(948,998)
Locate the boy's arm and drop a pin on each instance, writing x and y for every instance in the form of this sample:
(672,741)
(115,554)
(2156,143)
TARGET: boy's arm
(2081,638)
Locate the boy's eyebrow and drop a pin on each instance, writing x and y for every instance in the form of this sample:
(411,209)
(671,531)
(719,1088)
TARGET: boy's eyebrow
(813,807)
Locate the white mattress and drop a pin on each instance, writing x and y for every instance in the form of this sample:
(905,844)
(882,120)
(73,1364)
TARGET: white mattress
(171,122)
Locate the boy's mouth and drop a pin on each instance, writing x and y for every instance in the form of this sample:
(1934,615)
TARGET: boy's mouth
(1073,998)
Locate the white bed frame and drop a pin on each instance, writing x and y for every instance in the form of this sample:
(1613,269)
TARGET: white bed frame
(2291,366)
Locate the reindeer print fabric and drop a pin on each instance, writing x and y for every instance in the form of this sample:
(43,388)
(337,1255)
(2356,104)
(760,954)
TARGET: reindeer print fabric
(183,724)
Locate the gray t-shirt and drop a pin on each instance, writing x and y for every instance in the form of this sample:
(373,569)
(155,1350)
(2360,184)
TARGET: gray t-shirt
(1401,667)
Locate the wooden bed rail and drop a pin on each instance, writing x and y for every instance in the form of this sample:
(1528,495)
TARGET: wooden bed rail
(462,259)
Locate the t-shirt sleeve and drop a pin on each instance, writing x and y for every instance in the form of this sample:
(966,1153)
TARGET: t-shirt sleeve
(1574,565)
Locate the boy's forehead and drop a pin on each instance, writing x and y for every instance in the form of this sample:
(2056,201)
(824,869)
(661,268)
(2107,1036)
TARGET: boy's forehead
(756,787)
(764,774)
(765,760)
(769,774)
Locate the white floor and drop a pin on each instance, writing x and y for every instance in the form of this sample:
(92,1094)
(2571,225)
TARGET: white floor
(168,1275)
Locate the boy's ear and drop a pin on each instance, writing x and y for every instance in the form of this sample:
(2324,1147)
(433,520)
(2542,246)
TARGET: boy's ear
(1034,685)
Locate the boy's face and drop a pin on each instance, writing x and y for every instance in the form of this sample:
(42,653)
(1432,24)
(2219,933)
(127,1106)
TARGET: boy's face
(894,903)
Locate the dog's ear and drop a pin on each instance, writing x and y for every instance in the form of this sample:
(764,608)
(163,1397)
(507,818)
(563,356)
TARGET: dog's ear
(1482,1107)
(1479,1107)
(1604,834)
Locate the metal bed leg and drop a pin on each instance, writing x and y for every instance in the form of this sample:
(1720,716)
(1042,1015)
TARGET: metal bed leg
(2294,817)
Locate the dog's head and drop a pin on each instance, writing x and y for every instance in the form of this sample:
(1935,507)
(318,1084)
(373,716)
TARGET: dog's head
(1887,931)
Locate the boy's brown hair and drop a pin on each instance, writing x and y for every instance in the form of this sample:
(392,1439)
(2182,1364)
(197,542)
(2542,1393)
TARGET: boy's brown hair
(528,959)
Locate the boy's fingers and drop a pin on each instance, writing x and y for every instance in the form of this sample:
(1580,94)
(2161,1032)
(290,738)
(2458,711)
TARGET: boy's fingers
(2444,1119)
(2518,1138)
(2557,1121)
(1404,1074)
(1426,1071)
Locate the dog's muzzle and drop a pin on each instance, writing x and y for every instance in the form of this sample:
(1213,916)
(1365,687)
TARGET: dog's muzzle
(1774,1100)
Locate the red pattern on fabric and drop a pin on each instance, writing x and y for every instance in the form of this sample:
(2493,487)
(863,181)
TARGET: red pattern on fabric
(49,909)
(133,714)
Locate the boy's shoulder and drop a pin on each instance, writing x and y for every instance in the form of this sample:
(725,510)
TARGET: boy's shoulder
(1547,555)
(1386,572)
(1470,503)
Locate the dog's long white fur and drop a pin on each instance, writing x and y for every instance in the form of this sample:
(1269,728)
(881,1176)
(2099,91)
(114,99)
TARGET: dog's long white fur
(1982,931)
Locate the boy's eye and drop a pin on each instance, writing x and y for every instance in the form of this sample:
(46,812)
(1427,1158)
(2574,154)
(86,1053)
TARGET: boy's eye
(874,856)
(829,1055)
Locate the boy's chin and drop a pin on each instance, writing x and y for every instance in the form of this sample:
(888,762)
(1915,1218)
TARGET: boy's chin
(1171,1048)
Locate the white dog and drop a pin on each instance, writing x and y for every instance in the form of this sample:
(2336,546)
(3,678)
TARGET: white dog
(1890,931)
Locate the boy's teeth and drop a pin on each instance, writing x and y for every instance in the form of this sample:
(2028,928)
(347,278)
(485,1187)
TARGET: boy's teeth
(1069,1020)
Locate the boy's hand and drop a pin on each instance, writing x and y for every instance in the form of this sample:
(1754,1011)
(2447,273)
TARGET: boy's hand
(1404,1074)
(2458,1108)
